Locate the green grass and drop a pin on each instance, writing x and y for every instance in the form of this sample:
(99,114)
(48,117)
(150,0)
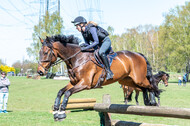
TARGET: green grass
(31,100)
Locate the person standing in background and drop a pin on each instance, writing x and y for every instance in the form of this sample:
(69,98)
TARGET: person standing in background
(4,92)
(179,80)
(184,79)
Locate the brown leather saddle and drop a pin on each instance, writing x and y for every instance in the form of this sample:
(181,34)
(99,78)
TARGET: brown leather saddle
(111,56)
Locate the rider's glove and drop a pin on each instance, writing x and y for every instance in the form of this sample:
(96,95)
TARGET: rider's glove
(83,48)
(83,45)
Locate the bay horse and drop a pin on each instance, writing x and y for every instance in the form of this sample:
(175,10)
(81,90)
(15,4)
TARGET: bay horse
(128,91)
(129,68)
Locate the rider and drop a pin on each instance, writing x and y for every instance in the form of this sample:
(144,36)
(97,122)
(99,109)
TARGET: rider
(95,37)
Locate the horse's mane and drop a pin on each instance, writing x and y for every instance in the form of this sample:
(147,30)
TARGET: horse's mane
(64,39)
(160,73)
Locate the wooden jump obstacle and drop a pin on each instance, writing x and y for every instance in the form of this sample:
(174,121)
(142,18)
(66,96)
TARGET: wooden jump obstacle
(106,108)
(87,103)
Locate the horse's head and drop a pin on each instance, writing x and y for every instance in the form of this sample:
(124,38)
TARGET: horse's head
(165,79)
(48,56)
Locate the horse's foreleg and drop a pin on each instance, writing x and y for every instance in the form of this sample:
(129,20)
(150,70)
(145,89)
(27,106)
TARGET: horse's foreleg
(58,99)
(68,93)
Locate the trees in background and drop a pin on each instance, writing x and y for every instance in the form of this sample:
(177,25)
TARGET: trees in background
(166,46)
(143,39)
(175,38)
(25,67)
(50,25)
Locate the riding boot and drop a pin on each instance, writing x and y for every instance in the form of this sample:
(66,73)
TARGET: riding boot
(109,73)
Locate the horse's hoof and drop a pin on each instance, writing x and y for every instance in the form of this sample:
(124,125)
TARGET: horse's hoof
(61,116)
(153,104)
(55,115)
(56,119)
(60,120)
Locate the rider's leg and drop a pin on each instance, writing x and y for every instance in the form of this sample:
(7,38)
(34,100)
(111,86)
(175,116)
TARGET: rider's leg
(102,52)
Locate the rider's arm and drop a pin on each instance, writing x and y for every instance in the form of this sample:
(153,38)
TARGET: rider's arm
(95,37)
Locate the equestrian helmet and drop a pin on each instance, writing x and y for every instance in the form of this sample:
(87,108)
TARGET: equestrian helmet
(79,20)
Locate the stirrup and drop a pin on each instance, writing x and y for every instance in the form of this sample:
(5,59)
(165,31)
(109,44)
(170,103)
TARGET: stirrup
(109,75)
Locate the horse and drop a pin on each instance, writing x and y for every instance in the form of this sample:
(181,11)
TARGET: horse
(161,75)
(129,68)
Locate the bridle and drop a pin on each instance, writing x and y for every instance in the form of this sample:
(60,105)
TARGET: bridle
(56,62)
(50,57)
(165,80)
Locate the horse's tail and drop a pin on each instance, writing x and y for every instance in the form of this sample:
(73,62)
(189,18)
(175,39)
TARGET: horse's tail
(151,78)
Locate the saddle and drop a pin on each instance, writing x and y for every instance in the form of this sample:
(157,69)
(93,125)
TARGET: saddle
(111,55)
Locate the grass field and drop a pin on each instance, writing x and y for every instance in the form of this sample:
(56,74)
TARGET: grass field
(30,102)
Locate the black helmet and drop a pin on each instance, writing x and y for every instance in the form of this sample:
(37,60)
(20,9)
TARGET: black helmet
(79,20)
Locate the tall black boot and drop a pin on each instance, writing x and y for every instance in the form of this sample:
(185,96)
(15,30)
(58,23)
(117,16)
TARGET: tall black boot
(107,66)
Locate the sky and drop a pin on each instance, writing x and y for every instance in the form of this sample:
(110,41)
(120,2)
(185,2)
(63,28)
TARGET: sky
(18,18)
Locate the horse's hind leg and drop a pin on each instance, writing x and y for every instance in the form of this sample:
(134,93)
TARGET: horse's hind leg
(152,99)
(58,99)
(147,87)
(145,96)
(158,100)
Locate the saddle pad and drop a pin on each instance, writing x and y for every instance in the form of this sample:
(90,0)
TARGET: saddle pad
(109,56)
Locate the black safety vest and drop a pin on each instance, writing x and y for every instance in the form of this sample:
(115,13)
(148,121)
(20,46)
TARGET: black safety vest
(102,33)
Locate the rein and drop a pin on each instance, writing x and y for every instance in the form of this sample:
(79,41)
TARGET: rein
(60,60)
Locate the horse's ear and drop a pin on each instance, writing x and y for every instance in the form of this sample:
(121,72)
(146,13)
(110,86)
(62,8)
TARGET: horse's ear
(47,39)
(41,40)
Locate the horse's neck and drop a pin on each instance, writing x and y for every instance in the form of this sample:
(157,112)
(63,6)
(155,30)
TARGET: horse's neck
(158,79)
(70,54)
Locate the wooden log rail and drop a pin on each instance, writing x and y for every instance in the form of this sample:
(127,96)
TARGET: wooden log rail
(183,113)
(106,108)
(87,103)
